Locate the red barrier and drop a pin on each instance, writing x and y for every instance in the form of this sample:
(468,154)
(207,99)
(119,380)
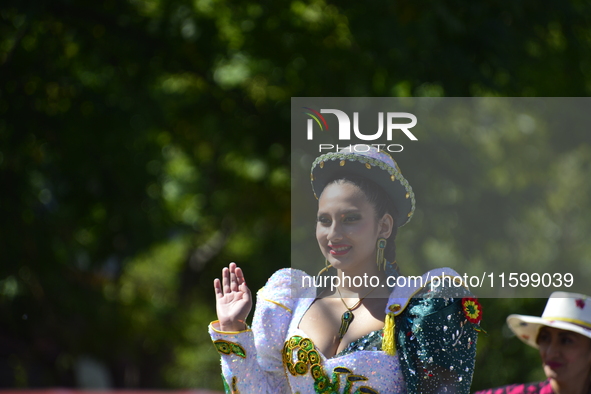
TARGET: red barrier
(73,391)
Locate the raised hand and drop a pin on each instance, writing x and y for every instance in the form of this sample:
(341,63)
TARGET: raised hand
(233,299)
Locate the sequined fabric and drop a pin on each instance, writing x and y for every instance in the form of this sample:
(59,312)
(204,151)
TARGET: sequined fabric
(280,358)
(372,341)
(436,344)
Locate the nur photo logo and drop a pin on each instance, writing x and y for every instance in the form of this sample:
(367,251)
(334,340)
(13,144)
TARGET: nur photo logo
(388,122)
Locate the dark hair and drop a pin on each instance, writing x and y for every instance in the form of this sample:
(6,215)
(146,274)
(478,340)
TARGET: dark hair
(381,202)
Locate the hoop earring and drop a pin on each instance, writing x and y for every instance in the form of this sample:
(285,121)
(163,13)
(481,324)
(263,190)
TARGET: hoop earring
(326,268)
(380,260)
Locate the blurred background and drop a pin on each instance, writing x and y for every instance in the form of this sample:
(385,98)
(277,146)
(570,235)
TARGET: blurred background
(145,144)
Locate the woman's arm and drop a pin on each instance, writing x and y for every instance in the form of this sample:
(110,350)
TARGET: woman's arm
(251,358)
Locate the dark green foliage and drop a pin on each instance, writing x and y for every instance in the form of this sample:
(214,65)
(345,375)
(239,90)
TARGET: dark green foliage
(145,144)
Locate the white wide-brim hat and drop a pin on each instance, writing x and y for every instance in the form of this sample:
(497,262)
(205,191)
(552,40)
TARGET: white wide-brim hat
(565,311)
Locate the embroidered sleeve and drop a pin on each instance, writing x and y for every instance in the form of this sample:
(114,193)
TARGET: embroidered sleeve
(252,359)
(436,341)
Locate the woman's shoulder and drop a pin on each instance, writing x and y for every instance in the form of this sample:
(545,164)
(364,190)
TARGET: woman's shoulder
(433,332)
(436,283)
(286,274)
(286,278)
(286,286)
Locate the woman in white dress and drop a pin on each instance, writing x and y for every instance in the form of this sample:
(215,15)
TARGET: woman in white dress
(398,336)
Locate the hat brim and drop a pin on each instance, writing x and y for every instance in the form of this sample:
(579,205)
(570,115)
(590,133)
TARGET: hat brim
(527,327)
(389,178)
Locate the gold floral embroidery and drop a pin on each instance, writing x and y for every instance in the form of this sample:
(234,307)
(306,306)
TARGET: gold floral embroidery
(300,356)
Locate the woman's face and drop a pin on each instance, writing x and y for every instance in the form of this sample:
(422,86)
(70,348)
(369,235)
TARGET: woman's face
(347,229)
(566,355)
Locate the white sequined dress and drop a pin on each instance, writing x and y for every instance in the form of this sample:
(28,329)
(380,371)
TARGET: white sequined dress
(435,345)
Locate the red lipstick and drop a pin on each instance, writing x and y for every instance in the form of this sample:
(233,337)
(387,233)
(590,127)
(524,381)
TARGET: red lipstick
(342,249)
(553,364)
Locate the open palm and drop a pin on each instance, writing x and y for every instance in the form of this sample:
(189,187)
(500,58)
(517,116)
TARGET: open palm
(233,299)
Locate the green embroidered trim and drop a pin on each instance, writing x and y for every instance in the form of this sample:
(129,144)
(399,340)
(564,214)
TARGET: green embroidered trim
(226,387)
(308,359)
(226,347)
(360,158)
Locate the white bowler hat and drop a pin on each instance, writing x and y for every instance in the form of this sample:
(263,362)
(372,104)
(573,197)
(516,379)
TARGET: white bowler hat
(565,311)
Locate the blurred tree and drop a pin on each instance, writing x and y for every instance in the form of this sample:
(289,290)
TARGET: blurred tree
(144,144)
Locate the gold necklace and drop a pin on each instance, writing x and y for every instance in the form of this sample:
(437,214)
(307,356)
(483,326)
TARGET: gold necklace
(348,316)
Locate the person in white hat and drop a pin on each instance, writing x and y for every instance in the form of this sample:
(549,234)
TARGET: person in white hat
(563,337)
